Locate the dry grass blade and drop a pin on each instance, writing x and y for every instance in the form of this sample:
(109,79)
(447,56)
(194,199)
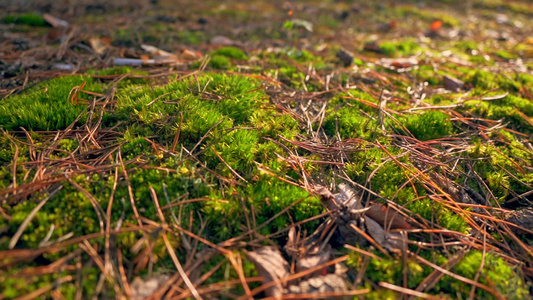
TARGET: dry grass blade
(175,259)
(408,291)
(432,279)
(30,217)
(458,277)
(41,291)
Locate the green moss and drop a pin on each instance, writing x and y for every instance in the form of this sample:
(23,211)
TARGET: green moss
(231,52)
(505,54)
(504,109)
(467,46)
(191,37)
(495,273)
(30,19)
(349,116)
(219,62)
(429,125)
(399,49)
(428,74)
(48,106)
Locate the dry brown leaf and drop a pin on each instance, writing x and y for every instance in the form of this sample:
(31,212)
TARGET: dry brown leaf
(190,55)
(271,266)
(99,45)
(144,288)
(398,63)
(221,40)
(346,57)
(320,284)
(55,22)
(154,51)
(348,197)
(387,240)
(452,83)
(312,261)
(387,217)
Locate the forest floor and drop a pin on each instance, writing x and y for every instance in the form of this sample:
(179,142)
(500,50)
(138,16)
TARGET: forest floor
(284,149)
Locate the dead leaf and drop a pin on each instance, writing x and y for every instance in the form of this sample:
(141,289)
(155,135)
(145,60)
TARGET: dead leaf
(55,22)
(190,55)
(221,40)
(522,218)
(389,241)
(166,59)
(271,266)
(320,284)
(348,197)
(312,261)
(291,248)
(144,288)
(154,51)
(303,24)
(398,63)
(387,217)
(452,83)
(99,45)
(346,57)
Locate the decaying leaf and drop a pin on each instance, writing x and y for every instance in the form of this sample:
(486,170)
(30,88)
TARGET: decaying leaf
(387,240)
(221,40)
(155,51)
(346,57)
(99,45)
(452,83)
(55,22)
(312,261)
(399,63)
(303,24)
(271,266)
(144,288)
(348,197)
(190,55)
(320,284)
(376,219)
(522,218)
(387,216)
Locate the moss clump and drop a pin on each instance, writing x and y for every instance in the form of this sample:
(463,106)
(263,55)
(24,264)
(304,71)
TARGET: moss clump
(349,117)
(505,54)
(46,107)
(495,273)
(231,52)
(399,49)
(484,80)
(26,19)
(505,108)
(219,62)
(191,37)
(428,74)
(238,139)
(495,163)
(429,125)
